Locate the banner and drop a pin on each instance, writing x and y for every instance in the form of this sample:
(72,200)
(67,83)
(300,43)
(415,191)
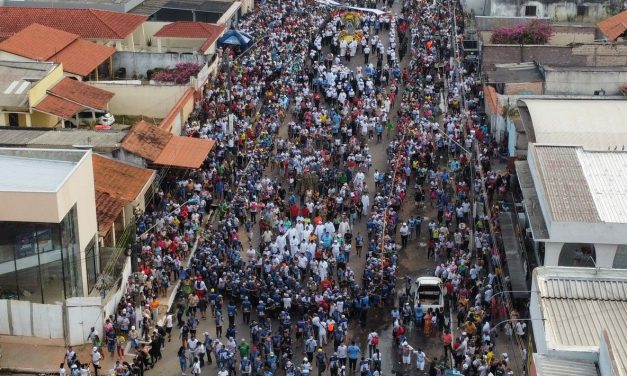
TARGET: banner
(335,4)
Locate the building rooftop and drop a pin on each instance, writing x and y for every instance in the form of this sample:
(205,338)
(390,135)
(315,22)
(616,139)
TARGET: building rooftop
(564,184)
(37,170)
(110,5)
(19,136)
(575,121)
(83,57)
(582,186)
(195,30)
(162,148)
(146,141)
(557,367)
(118,179)
(515,73)
(615,26)
(117,184)
(185,152)
(16,79)
(86,23)
(578,304)
(38,42)
(79,138)
(209,6)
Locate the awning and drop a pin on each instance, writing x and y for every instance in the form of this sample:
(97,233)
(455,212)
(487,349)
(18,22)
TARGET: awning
(184,152)
(516,259)
(58,107)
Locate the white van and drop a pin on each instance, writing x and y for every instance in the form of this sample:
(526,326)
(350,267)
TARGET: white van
(429,293)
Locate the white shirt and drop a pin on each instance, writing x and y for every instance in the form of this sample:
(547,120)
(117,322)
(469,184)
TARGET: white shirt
(95,358)
(342,351)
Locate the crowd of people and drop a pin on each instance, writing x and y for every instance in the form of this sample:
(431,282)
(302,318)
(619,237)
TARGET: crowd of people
(273,219)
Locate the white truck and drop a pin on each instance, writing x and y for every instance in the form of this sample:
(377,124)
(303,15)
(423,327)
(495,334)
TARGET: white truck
(429,293)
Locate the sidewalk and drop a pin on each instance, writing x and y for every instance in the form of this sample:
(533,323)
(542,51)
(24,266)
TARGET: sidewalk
(29,355)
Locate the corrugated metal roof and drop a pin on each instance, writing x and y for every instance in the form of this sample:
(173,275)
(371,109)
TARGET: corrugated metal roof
(71,137)
(565,184)
(606,173)
(565,288)
(578,304)
(577,122)
(18,137)
(557,367)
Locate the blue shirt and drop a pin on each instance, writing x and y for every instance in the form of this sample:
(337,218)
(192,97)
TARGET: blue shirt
(353,352)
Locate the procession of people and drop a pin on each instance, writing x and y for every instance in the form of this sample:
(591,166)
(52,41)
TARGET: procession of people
(288,238)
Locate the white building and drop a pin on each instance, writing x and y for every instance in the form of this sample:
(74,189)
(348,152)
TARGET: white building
(48,244)
(578,317)
(575,201)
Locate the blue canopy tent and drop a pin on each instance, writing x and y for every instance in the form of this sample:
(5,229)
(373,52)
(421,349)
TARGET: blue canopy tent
(236,38)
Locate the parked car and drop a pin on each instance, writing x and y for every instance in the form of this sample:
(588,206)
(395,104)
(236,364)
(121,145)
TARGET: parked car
(106,119)
(90,118)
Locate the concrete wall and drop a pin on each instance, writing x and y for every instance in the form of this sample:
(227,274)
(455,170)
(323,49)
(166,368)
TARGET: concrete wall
(141,100)
(584,82)
(110,303)
(523,88)
(39,119)
(179,113)
(562,35)
(137,63)
(476,7)
(23,318)
(555,10)
(583,55)
(38,91)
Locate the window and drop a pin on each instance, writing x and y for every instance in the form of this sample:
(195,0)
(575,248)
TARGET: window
(92,265)
(73,277)
(530,11)
(582,10)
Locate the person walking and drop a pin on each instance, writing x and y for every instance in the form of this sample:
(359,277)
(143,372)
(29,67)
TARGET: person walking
(353,351)
(182,359)
(404,231)
(321,361)
(95,359)
(196,367)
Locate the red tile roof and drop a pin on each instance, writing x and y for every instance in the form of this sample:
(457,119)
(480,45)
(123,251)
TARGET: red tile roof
(189,29)
(120,180)
(38,42)
(108,209)
(162,148)
(83,94)
(82,57)
(117,184)
(614,26)
(58,106)
(185,152)
(86,23)
(146,141)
